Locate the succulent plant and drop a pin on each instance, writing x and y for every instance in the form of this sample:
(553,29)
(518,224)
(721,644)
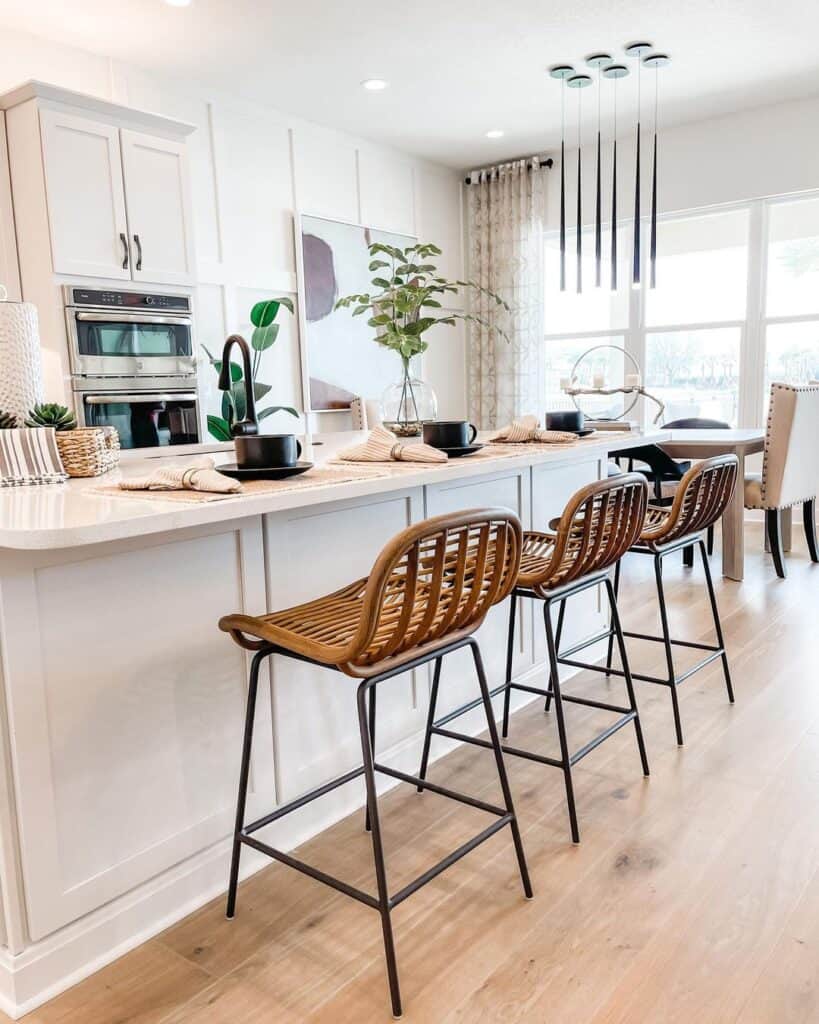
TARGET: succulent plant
(8,421)
(51,415)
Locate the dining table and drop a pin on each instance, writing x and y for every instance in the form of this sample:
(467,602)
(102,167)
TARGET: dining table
(703,444)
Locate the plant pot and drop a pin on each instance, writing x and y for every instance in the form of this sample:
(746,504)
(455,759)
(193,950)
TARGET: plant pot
(408,404)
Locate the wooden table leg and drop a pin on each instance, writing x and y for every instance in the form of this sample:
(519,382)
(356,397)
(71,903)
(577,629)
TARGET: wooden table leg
(733,534)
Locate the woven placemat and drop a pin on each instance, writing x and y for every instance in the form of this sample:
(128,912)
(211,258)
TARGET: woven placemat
(316,477)
(492,451)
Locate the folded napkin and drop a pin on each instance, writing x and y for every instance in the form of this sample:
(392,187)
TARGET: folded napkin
(383,446)
(29,455)
(527,428)
(198,475)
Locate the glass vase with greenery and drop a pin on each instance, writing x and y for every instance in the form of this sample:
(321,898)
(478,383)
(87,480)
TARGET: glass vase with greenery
(265,332)
(410,299)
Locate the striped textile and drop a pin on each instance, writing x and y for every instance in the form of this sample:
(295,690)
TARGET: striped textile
(527,428)
(383,446)
(29,455)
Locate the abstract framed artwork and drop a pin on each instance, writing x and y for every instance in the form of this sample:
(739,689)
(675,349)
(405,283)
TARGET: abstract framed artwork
(340,360)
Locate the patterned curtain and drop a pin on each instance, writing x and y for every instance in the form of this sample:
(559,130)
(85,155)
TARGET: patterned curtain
(506,215)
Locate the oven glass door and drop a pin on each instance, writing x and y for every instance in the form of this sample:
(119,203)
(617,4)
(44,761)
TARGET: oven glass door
(122,344)
(146,420)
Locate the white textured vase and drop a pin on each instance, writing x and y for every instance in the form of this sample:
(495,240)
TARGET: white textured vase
(21,369)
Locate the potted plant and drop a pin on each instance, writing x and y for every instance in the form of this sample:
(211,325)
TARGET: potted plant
(265,331)
(407,303)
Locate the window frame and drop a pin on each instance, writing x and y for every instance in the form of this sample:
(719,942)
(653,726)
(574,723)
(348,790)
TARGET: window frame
(753,328)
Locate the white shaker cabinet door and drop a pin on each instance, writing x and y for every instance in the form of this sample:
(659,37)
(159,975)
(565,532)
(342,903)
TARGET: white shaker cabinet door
(159,208)
(86,199)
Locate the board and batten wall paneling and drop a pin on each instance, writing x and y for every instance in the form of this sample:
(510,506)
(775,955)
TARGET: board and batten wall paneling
(9,273)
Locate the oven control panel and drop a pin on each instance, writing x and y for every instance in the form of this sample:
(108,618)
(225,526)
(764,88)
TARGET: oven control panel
(130,300)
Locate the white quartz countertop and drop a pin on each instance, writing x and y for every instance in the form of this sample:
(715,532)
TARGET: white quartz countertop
(75,513)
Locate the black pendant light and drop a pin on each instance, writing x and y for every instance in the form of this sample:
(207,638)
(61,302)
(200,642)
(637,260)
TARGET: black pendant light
(598,61)
(638,51)
(562,72)
(614,72)
(654,61)
(579,82)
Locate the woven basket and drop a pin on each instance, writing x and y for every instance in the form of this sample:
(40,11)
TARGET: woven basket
(88,451)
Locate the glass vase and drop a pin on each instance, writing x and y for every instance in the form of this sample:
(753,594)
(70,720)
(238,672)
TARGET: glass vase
(408,404)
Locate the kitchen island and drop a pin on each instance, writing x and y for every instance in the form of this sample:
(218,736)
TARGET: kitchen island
(123,703)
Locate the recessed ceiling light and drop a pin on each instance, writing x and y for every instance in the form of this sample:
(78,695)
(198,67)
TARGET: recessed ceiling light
(494,133)
(375,84)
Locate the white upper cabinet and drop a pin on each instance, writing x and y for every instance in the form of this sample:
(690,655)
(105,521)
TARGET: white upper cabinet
(159,208)
(86,198)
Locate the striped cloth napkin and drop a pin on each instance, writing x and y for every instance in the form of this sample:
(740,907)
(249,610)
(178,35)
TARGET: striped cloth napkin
(383,446)
(527,428)
(29,455)
(199,475)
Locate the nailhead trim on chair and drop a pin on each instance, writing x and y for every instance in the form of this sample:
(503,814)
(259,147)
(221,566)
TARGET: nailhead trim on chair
(776,386)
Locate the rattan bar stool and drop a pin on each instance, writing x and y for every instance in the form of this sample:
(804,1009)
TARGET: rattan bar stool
(700,500)
(429,590)
(599,524)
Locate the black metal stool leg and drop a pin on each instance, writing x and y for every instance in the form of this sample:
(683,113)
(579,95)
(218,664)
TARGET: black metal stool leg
(560,617)
(433,700)
(717,624)
(621,646)
(244,774)
(561,724)
(510,654)
(502,777)
(669,655)
(371,723)
(378,850)
(610,652)
(809,520)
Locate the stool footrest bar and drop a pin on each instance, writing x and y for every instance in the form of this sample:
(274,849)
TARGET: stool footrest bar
(441,790)
(514,751)
(476,703)
(676,643)
(456,855)
(300,801)
(307,869)
(592,744)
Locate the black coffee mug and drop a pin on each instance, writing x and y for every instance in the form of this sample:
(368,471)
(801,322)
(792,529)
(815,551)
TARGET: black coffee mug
(266,451)
(450,433)
(565,419)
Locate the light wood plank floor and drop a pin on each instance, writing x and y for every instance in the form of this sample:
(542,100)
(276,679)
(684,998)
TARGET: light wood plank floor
(693,896)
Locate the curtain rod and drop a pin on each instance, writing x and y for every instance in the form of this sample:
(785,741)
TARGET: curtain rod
(548,162)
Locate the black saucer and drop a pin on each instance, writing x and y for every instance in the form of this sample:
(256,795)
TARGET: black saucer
(268,473)
(583,433)
(457,453)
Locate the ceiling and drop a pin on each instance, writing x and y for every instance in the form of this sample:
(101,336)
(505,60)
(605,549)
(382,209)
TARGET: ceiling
(456,69)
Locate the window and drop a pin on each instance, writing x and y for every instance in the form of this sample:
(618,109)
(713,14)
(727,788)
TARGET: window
(793,258)
(695,373)
(702,271)
(709,342)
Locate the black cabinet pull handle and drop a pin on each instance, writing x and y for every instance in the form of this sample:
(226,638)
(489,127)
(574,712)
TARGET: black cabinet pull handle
(126,252)
(139,252)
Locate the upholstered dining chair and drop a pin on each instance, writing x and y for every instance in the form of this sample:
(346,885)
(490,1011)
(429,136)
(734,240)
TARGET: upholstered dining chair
(790,465)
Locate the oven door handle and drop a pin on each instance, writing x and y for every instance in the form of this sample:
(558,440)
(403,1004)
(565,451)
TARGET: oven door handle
(137,318)
(171,396)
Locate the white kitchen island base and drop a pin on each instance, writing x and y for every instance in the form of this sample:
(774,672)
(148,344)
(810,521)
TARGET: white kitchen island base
(123,703)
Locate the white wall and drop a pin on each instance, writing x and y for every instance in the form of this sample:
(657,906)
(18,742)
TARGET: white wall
(252,166)
(751,154)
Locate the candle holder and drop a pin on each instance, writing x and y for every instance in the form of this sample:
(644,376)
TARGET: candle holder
(636,390)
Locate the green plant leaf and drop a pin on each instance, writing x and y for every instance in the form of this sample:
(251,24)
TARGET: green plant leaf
(264,413)
(382,282)
(236,371)
(287,303)
(218,428)
(264,337)
(264,313)
(260,390)
(377,265)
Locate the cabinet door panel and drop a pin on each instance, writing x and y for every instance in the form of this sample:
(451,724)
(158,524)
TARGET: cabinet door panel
(159,208)
(86,200)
